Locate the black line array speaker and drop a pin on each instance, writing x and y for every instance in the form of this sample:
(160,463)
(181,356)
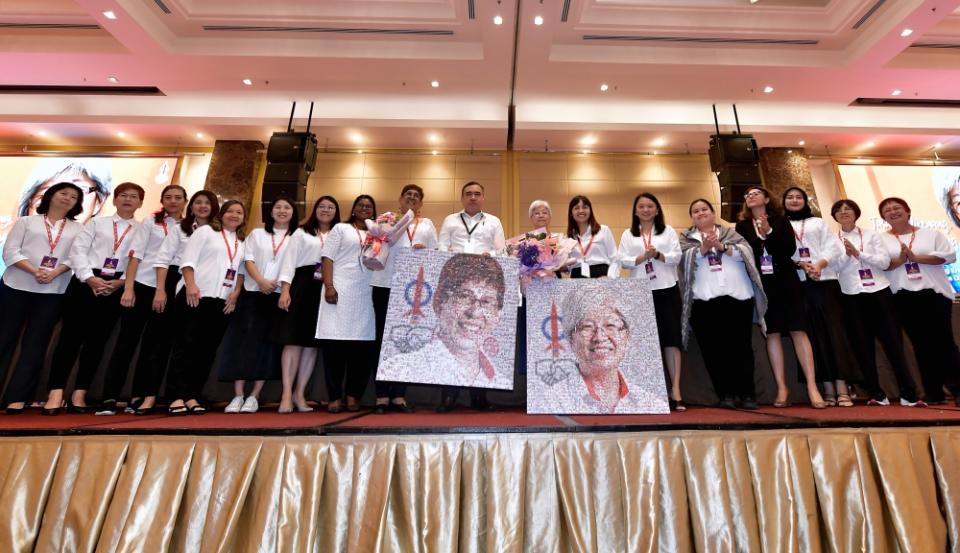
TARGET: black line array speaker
(735,158)
(293,147)
(291,157)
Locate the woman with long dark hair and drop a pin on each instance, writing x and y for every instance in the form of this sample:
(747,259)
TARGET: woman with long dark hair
(650,249)
(33,287)
(301,291)
(596,253)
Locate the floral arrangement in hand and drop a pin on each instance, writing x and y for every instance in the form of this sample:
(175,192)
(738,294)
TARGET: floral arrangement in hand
(540,254)
(380,234)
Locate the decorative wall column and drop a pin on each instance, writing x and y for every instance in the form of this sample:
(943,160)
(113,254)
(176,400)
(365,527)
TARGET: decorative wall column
(234,169)
(782,168)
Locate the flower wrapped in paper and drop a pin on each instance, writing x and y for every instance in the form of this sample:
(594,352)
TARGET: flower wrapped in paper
(380,235)
(540,254)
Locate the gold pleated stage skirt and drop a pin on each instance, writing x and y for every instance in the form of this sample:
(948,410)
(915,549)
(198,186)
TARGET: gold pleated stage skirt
(870,490)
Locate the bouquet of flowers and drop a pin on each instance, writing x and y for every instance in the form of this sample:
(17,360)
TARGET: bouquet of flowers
(380,234)
(540,254)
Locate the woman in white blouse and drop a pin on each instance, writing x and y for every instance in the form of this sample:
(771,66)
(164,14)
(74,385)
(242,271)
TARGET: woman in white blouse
(206,298)
(870,313)
(248,351)
(595,254)
(301,291)
(817,258)
(722,295)
(139,288)
(651,250)
(162,322)
(420,234)
(923,295)
(98,257)
(346,322)
(33,286)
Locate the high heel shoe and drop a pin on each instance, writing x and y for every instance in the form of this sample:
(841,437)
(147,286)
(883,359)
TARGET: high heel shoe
(76,409)
(51,411)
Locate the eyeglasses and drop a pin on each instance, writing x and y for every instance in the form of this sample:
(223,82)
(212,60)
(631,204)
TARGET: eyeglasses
(130,196)
(752,194)
(413,195)
(589,329)
(466,300)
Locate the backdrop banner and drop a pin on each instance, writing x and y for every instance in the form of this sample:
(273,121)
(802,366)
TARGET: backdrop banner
(592,347)
(451,320)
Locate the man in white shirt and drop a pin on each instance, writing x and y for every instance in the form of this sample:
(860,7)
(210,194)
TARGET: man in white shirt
(470,231)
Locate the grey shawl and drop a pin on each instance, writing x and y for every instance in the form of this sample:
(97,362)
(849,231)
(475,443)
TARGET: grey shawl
(688,264)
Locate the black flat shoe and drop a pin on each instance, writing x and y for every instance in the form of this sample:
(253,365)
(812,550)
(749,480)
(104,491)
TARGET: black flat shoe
(727,403)
(13,410)
(141,411)
(749,403)
(677,405)
(131,408)
(77,409)
(108,407)
(380,408)
(402,407)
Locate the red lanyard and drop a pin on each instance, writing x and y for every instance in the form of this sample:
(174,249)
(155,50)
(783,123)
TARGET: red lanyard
(236,246)
(359,236)
(410,234)
(913,237)
(164,225)
(799,237)
(50,240)
(273,243)
(323,238)
(584,252)
(647,242)
(840,234)
(118,241)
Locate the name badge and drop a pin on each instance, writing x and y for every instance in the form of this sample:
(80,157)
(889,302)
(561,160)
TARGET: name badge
(766,264)
(110,265)
(913,270)
(48,262)
(716,262)
(229,278)
(866,277)
(804,254)
(318,271)
(585,269)
(648,267)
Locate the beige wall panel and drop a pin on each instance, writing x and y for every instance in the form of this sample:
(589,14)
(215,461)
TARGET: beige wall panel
(587,167)
(672,191)
(613,215)
(599,191)
(686,168)
(552,167)
(438,211)
(439,190)
(432,167)
(637,168)
(482,169)
(340,166)
(385,166)
(677,215)
(385,191)
(344,190)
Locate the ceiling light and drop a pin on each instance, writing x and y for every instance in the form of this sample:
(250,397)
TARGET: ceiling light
(789,151)
(121,134)
(113,79)
(359,151)
(41,133)
(896,92)
(937,146)
(767,89)
(247,82)
(434,152)
(870,144)
(356,138)
(660,142)
(433,137)
(538,20)
(802,142)
(906,32)
(109,15)
(435,84)
(199,135)
(498,20)
(604,87)
(584,151)
(588,140)
(754,1)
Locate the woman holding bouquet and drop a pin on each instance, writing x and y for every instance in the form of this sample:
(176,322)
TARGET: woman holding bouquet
(419,234)
(346,322)
(651,250)
(595,254)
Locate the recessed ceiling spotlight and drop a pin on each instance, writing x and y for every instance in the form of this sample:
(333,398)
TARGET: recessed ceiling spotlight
(538,20)
(498,20)
(41,133)
(248,82)
(356,138)
(109,15)
(906,32)
(435,84)
(896,92)
(789,151)
(754,1)
(802,142)
(584,152)
(660,142)
(359,151)
(604,87)
(767,89)
(870,144)
(113,79)
(434,152)
(121,134)
(588,140)
(199,135)
(937,146)
(433,137)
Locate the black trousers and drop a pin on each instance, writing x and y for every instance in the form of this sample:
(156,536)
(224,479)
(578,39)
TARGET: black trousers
(870,318)
(381,299)
(195,347)
(350,360)
(928,319)
(724,329)
(88,321)
(132,322)
(596,271)
(35,315)
(155,351)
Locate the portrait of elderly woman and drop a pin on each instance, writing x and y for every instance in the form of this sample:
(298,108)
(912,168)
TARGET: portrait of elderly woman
(470,327)
(92,175)
(946,188)
(596,349)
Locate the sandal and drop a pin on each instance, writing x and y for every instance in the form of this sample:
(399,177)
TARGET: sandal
(179,410)
(844,400)
(830,401)
(197,410)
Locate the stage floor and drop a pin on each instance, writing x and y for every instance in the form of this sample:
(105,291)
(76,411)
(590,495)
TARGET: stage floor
(464,421)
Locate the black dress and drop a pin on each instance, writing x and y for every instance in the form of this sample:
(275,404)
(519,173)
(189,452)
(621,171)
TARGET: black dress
(785,295)
(298,325)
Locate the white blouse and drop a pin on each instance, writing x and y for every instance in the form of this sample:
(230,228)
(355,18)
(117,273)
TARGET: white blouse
(481,233)
(304,250)
(351,318)
(729,278)
(206,253)
(600,249)
(266,251)
(28,240)
(664,273)
(933,277)
(873,257)
(152,235)
(420,232)
(813,235)
(95,244)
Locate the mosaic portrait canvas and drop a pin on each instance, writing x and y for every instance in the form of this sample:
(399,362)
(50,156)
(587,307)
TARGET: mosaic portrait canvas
(592,348)
(451,320)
